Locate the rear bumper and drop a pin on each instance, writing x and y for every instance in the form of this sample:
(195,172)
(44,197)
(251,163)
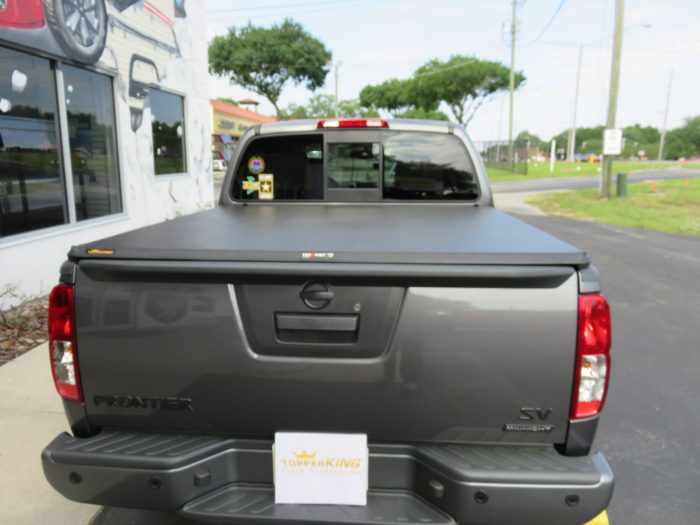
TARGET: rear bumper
(201,476)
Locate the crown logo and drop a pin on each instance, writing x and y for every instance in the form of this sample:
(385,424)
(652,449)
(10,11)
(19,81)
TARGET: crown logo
(304,455)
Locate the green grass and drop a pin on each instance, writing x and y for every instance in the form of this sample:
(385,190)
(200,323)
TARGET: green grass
(671,206)
(540,170)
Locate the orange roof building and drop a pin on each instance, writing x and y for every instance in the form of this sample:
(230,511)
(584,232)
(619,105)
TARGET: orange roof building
(231,120)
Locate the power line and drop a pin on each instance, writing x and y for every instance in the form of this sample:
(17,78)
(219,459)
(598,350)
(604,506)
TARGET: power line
(266,7)
(546,26)
(300,9)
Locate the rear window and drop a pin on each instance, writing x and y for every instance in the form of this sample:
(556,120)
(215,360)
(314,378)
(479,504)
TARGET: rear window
(281,168)
(427,166)
(398,165)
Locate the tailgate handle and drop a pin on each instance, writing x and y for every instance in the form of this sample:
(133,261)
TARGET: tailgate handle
(321,323)
(317,295)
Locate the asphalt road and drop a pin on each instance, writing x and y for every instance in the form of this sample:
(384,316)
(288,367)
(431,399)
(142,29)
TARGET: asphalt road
(579,183)
(650,428)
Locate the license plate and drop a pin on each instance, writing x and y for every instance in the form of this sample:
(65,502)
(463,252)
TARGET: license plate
(322,469)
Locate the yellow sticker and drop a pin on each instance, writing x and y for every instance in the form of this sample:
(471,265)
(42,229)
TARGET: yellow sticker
(267,186)
(256,165)
(250,185)
(100,251)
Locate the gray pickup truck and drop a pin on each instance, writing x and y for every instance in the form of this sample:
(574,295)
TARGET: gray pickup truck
(354,278)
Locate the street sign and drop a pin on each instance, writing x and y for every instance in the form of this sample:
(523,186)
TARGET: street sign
(612,142)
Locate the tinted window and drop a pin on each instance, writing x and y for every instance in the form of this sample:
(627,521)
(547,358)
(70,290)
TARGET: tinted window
(92,143)
(353,165)
(168,115)
(427,166)
(31,189)
(295,164)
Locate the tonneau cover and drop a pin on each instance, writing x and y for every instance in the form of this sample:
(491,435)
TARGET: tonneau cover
(383,233)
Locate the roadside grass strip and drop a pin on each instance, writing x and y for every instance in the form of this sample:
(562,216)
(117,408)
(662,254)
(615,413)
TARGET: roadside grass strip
(670,206)
(540,170)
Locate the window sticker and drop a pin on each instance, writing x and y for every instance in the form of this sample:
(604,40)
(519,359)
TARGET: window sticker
(256,165)
(265,186)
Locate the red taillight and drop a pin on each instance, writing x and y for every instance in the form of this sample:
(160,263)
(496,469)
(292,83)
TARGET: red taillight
(352,123)
(592,356)
(62,348)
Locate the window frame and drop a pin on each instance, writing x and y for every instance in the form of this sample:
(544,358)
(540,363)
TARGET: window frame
(167,177)
(354,195)
(64,157)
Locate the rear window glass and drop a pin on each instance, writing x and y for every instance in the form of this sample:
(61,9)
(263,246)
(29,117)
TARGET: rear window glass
(427,166)
(400,165)
(281,168)
(353,165)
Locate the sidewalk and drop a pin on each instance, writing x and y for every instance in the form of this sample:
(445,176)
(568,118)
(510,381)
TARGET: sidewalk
(515,203)
(31,415)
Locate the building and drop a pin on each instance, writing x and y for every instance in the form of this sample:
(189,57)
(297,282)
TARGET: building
(228,123)
(104,126)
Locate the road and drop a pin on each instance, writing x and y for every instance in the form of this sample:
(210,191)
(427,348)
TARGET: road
(649,430)
(579,183)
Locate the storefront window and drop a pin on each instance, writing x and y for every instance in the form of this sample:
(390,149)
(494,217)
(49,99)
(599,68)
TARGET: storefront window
(90,109)
(31,188)
(168,117)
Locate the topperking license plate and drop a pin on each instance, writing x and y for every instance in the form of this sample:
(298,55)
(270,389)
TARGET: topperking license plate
(323,469)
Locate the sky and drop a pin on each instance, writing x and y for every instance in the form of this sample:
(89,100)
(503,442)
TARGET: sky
(380,39)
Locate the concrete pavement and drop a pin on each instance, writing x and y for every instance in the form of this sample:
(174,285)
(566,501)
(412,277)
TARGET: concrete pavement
(517,203)
(31,415)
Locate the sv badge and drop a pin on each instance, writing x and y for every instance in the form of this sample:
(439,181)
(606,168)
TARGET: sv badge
(532,414)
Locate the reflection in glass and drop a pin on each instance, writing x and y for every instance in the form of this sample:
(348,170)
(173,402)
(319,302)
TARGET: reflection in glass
(92,143)
(168,132)
(353,165)
(427,166)
(31,190)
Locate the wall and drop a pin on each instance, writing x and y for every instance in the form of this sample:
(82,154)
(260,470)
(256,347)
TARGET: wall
(145,43)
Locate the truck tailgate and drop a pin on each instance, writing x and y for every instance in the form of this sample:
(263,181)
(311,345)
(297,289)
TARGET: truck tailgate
(448,353)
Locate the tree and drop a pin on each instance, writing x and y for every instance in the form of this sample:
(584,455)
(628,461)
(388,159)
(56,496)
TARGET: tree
(323,106)
(641,138)
(464,83)
(266,60)
(683,142)
(425,114)
(228,100)
(394,96)
(535,141)
(590,139)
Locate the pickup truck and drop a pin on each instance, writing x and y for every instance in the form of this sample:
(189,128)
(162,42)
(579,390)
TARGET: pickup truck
(354,278)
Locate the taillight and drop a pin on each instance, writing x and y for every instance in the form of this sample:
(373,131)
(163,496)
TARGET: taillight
(62,348)
(592,356)
(352,123)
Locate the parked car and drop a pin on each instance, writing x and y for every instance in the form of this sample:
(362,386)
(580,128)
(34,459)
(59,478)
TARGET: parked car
(355,278)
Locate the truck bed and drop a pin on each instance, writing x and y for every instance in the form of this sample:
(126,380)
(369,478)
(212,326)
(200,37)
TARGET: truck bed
(390,233)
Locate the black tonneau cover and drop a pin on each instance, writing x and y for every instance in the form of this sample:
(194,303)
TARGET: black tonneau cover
(383,233)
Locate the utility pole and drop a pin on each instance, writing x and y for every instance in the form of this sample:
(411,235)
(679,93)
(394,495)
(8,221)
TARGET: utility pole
(614,91)
(500,125)
(513,30)
(663,129)
(571,149)
(337,104)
